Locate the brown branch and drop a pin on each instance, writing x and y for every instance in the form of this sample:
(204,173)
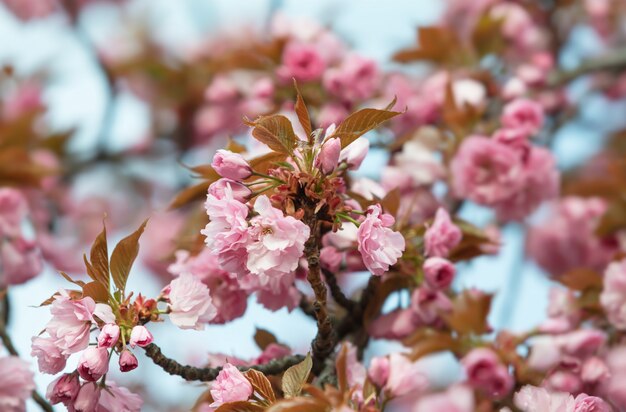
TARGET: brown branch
(611,62)
(192,373)
(307,307)
(324,341)
(353,321)
(8,344)
(336,291)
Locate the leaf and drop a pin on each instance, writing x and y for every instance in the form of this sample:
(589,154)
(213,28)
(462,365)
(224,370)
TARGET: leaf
(581,279)
(240,406)
(391,202)
(96,291)
(204,398)
(189,195)
(69,279)
(300,404)
(469,313)
(341,367)
(124,255)
(426,341)
(361,122)
(276,132)
(261,384)
(381,293)
(302,112)
(266,162)
(613,220)
(99,257)
(437,44)
(296,376)
(264,338)
(235,147)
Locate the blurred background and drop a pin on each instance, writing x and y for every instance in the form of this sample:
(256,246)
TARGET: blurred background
(79,98)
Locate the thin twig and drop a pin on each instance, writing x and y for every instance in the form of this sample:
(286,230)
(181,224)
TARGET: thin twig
(336,291)
(192,373)
(610,62)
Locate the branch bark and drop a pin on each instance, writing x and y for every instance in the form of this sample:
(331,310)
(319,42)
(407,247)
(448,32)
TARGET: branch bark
(610,62)
(192,373)
(336,291)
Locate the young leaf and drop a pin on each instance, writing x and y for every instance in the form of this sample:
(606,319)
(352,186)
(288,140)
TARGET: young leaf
(296,376)
(96,291)
(276,132)
(361,122)
(300,404)
(261,384)
(302,112)
(99,257)
(69,279)
(469,313)
(267,161)
(124,255)
(190,194)
(341,366)
(264,338)
(240,406)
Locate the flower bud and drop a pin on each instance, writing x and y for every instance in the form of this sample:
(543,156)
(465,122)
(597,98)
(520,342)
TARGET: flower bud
(438,272)
(378,371)
(328,157)
(93,363)
(231,165)
(140,336)
(88,397)
(63,389)
(109,335)
(240,192)
(128,361)
(355,153)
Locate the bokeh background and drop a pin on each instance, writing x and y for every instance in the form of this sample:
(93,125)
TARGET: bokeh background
(77,96)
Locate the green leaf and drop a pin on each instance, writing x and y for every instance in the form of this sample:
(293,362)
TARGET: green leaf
(124,255)
(296,376)
(99,257)
(276,132)
(361,122)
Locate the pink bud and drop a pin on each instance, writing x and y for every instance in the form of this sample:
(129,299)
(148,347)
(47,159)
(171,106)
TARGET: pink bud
(584,402)
(328,157)
(331,258)
(140,336)
(485,371)
(438,272)
(594,370)
(231,165)
(240,192)
(63,389)
(355,153)
(378,371)
(88,397)
(128,361)
(523,113)
(442,236)
(93,363)
(109,335)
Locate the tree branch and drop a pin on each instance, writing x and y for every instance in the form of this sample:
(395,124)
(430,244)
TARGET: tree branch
(8,344)
(610,62)
(336,292)
(192,373)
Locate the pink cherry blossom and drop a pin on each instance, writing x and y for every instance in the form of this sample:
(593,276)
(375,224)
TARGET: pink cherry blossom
(117,398)
(531,398)
(277,242)
(523,114)
(438,272)
(271,352)
(328,157)
(379,245)
(355,153)
(21,261)
(140,336)
(16,384)
(239,191)
(442,236)
(330,258)
(230,386)
(64,389)
(231,165)
(88,397)
(190,302)
(457,398)
(404,376)
(586,403)
(49,356)
(356,78)
(13,209)
(127,361)
(93,363)
(396,324)
(378,371)
(109,335)
(613,296)
(71,322)
(428,305)
(302,62)
(485,371)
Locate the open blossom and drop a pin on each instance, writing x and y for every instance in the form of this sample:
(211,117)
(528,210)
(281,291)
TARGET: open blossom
(190,302)
(240,192)
(523,114)
(302,62)
(277,241)
(93,363)
(117,398)
(231,165)
(21,261)
(442,236)
(71,322)
(16,384)
(458,398)
(13,208)
(140,336)
(532,398)
(438,272)
(64,389)
(88,397)
(613,296)
(356,78)
(404,376)
(379,246)
(485,371)
(48,354)
(230,386)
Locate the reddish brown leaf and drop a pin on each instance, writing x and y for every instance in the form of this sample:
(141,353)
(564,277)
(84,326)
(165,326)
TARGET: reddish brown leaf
(235,147)
(190,194)
(240,406)
(124,255)
(341,366)
(299,404)
(69,279)
(267,161)
(99,257)
(437,44)
(391,202)
(296,376)
(96,291)
(264,338)
(302,112)
(276,132)
(581,279)
(361,122)
(261,384)
(469,313)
